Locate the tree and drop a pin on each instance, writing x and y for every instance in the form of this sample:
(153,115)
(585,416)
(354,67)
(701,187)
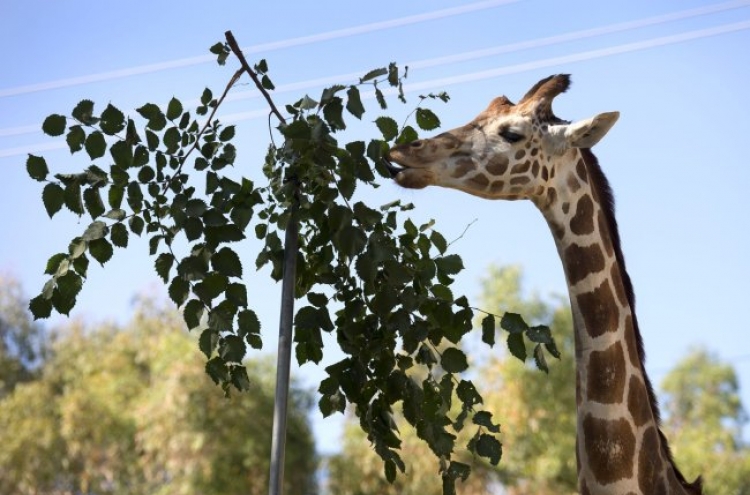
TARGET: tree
(704,418)
(22,347)
(379,281)
(537,413)
(129,410)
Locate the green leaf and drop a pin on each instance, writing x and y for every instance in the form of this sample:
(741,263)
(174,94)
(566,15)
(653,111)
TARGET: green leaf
(454,360)
(156,119)
(54,125)
(539,359)
(84,112)
(119,235)
(239,378)
(468,394)
(408,135)
(450,264)
(36,166)
(211,287)
(95,145)
(350,240)
(136,224)
(388,127)
(427,120)
(513,323)
(122,154)
(489,447)
(484,418)
(354,103)
(248,322)
(237,293)
(96,230)
(488,330)
(112,120)
(516,346)
(227,262)
(163,265)
(93,200)
(332,113)
(232,349)
(206,96)
(77,247)
(101,250)
(75,138)
(373,74)
(208,341)
(380,99)
(40,307)
(192,313)
(540,334)
(178,290)
(227,133)
(64,296)
(53,263)
(174,109)
(195,207)
(72,197)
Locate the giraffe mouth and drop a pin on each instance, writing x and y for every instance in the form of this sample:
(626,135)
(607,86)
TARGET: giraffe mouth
(393,168)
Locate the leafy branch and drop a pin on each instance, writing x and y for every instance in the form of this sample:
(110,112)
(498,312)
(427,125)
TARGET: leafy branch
(369,275)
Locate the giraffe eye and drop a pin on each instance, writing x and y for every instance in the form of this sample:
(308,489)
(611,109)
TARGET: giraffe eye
(510,136)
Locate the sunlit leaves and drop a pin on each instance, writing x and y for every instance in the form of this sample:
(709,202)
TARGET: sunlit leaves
(427,120)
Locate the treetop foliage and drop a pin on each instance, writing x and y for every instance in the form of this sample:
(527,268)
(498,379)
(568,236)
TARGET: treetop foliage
(367,273)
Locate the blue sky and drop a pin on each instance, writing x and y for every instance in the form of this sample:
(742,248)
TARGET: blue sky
(676,70)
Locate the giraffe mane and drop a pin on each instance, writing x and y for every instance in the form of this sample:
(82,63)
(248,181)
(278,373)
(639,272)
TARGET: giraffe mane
(604,194)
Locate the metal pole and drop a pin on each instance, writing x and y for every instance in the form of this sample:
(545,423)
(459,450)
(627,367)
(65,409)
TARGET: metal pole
(284,358)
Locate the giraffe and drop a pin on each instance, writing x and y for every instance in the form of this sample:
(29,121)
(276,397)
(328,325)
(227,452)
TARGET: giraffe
(523,151)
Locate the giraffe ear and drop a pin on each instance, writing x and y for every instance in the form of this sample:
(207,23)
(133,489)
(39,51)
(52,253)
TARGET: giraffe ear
(586,133)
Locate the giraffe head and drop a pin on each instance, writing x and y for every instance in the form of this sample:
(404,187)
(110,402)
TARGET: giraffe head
(509,151)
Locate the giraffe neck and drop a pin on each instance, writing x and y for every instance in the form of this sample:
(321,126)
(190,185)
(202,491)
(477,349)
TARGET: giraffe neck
(619,446)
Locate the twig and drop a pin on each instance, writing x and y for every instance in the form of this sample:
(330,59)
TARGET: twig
(462,233)
(243,61)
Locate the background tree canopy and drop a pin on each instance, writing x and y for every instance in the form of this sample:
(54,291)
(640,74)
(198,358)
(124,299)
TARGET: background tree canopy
(130,410)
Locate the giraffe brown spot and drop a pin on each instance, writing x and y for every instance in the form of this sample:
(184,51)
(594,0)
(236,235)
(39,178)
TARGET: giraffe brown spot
(581,170)
(520,154)
(630,342)
(479,180)
(545,173)
(535,151)
(599,310)
(515,190)
(497,165)
(535,168)
(566,207)
(638,403)
(650,463)
(617,282)
(573,183)
(606,375)
(520,180)
(520,168)
(604,233)
(497,186)
(582,222)
(552,173)
(463,167)
(551,196)
(610,448)
(582,261)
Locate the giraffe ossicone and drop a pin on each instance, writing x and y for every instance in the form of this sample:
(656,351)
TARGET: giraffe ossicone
(523,151)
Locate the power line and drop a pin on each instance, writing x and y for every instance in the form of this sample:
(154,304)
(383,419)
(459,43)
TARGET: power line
(493,73)
(465,56)
(260,48)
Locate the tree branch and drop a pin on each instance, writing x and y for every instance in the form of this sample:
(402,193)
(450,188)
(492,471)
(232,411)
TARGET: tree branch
(243,61)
